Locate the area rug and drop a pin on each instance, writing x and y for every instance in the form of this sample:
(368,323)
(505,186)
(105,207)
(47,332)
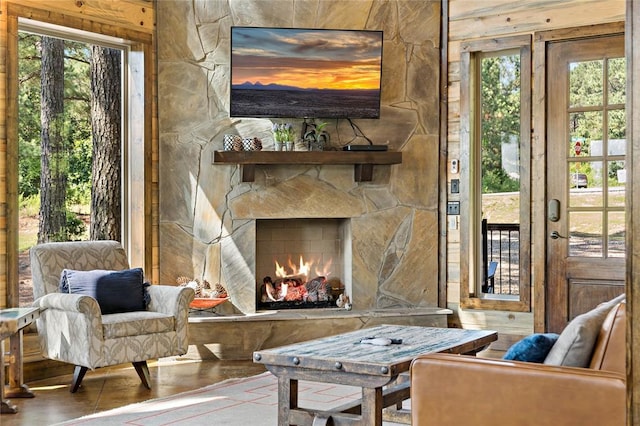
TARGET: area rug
(234,402)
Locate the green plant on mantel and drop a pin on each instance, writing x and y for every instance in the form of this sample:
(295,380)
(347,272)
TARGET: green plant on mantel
(314,136)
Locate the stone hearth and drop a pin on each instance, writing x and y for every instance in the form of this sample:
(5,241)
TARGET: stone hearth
(237,337)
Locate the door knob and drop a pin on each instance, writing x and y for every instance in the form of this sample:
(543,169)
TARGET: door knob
(555,235)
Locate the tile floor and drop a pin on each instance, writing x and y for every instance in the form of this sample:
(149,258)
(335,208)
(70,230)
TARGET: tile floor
(113,387)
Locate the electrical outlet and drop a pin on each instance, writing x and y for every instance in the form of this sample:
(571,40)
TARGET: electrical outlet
(455,186)
(453,207)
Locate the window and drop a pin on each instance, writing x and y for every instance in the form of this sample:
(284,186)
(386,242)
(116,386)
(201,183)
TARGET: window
(135,54)
(495,165)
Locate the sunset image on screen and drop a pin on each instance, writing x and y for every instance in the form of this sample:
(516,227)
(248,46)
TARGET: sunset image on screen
(283,72)
(307,58)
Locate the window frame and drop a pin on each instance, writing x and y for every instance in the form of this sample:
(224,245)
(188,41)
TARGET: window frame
(470,189)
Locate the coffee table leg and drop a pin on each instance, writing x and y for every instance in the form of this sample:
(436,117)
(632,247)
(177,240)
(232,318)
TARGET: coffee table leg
(372,406)
(5,405)
(287,398)
(17,388)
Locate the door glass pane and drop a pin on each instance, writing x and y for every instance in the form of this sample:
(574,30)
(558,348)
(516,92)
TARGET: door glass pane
(585,130)
(585,180)
(596,153)
(585,88)
(585,235)
(616,234)
(615,184)
(616,123)
(617,81)
(500,172)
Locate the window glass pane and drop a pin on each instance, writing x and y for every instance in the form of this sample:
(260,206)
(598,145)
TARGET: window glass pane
(500,172)
(585,235)
(617,81)
(59,138)
(585,88)
(616,234)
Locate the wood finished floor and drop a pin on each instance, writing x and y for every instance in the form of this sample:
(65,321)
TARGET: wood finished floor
(108,388)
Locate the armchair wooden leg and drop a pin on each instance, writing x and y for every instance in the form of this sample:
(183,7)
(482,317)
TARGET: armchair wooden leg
(143,372)
(78,375)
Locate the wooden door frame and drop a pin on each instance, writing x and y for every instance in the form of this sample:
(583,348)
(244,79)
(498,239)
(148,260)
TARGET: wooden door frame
(539,155)
(633,214)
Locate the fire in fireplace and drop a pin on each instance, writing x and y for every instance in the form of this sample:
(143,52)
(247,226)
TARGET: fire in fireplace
(301,286)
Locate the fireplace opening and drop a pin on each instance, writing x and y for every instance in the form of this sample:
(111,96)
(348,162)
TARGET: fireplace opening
(300,263)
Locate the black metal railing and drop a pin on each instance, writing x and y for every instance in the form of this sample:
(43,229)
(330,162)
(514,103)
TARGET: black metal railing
(501,257)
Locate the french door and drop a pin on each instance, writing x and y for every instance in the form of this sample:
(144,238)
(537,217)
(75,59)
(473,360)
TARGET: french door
(585,195)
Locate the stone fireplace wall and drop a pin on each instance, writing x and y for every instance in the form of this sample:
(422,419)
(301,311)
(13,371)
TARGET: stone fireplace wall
(208,215)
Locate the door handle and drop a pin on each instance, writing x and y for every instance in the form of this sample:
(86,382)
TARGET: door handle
(555,235)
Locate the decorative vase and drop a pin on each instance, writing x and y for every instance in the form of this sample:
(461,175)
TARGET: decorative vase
(289,145)
(278,145)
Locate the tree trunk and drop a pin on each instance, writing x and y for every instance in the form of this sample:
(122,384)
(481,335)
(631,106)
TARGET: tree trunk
(107,141)
(54,164)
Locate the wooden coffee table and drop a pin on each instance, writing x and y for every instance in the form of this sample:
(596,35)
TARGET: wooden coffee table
(342,359)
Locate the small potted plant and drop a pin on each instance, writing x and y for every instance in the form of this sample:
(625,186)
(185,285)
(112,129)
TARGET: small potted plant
(315,136)
(283,135)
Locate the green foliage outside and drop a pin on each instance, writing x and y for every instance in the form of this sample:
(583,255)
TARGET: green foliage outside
(500,98)
(500,119)
(76,129)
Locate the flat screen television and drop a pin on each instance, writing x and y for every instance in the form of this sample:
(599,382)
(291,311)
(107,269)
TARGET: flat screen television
(305,73)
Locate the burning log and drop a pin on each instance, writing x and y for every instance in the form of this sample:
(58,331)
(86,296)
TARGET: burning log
(294,289)
(318,290)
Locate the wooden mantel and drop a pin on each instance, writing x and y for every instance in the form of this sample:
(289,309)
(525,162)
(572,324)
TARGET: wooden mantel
(363,161)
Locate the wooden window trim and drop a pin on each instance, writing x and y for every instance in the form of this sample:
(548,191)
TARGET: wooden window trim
(469,206)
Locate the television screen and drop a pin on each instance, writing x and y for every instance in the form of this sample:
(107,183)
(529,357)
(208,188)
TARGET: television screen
(314,73)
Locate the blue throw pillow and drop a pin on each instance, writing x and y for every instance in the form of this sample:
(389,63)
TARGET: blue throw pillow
(533,348)
(115,291)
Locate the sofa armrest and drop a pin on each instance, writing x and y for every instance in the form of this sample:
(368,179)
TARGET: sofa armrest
(456,389)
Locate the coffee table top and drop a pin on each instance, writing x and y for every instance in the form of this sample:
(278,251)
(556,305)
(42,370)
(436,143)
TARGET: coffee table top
(13,319)
(344,352)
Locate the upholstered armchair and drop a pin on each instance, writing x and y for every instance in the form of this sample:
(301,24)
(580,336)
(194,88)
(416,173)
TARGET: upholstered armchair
(73,329)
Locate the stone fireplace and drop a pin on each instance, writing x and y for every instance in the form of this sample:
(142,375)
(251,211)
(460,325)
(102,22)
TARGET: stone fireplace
(208,221)
(302,263)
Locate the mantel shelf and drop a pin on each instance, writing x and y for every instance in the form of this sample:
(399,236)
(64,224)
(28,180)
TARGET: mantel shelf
(363,161)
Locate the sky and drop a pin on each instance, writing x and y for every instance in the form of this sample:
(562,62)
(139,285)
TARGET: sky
(322,59)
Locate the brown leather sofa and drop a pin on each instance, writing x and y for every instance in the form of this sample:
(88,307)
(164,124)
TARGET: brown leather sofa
(464,390)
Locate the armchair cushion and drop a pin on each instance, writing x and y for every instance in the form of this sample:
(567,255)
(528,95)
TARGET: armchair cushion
(115,291)
(136,324)
(533,348)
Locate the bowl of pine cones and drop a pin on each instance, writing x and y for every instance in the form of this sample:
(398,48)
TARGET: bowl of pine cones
(206,296)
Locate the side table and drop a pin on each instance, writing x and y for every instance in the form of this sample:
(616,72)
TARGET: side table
(12,323)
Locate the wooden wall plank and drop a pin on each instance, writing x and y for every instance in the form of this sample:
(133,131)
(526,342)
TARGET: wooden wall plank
(134,14)
(527,16)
